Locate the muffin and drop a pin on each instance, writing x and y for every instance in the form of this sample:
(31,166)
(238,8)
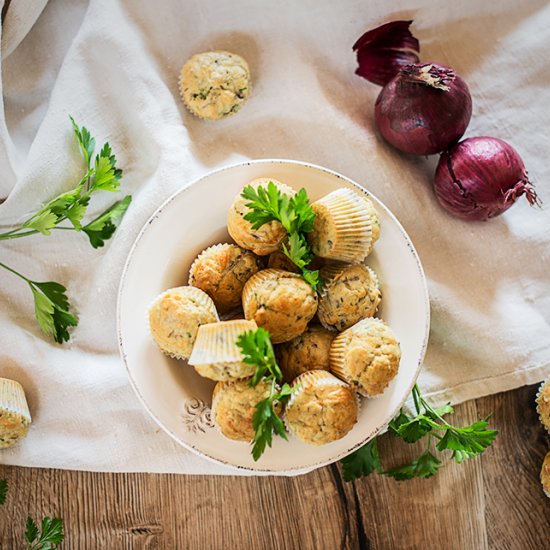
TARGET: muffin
(281,302)
(233,406)
(175,317)
(343,227)
(268,237)
(366,356)
(15,418)
(309,351)
(279,260)
(543,404)
(216,355)
(545,475)
(321,409)
(221,271)
(350,293)
(214,85)
(374,219)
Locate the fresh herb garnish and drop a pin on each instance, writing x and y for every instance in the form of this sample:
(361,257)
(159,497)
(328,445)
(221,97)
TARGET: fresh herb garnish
(48,537)
(257,350)
(50,301)
(296,216)
(465,442)
(3,491)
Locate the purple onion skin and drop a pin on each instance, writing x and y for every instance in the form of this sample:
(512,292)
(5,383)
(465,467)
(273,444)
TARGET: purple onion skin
(480,178)
(420,119)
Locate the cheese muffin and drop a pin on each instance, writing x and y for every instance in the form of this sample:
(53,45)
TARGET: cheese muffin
(233,406)
(343,227)
(545,475)
(366,356)
(543,404)
(216,355)
(214,85)
(309,351)
(268,237)
(15,418)
(281,302)
(175,317)
(350,293)
(221,271)
(321,409)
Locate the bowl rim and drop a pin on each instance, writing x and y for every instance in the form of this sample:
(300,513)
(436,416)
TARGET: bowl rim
(151,220)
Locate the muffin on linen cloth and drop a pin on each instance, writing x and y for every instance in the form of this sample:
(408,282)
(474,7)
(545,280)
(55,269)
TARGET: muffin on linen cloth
(321,409)
(214,85)
(343,227)
(281,302)
(15,418)
(222,271)
(350,293)
(234,404)
(268,237)
(366,356)
(543,404)
(175,317)
(216,355)
(545,475)
(309,351)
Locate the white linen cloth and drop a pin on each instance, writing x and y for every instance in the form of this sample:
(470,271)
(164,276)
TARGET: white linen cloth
(113,65)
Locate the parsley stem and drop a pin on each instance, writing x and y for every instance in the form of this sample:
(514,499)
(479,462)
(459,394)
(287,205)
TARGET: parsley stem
(14,235)
(416,398)
(15,272)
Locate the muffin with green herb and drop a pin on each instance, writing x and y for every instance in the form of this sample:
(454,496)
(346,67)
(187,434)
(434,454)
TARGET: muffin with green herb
(214,85)
(175,317)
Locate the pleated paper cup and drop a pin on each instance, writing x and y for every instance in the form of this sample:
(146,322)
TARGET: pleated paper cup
(216,355)
(206,253)
(15,418)
(343,227)
(543,404)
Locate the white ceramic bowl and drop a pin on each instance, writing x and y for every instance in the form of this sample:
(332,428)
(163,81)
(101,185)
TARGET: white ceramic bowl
(178,398)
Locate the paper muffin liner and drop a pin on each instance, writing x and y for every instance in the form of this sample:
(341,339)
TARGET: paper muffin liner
(201,297)
(352,222)
(375,220)
(329,273)
(202,255)
(542,387)
(228,115)
(13,409)
(338,352)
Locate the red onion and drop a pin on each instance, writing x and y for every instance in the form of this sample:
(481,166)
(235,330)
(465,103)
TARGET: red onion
(424,109)
(480,178)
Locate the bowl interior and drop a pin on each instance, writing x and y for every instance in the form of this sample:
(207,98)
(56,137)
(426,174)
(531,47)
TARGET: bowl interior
(177,397)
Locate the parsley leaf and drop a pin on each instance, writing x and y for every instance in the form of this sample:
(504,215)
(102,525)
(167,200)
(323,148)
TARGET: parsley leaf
(3,491)
(257,349)
(48,537)
(43,222)
(426,465)
(85,140)
(362,462)
(103,227)
(415,429)
(468,441)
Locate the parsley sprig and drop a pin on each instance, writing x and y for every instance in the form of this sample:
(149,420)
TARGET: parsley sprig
(257,350)
(464,442)
(51,303)
(47,537)
(296,216)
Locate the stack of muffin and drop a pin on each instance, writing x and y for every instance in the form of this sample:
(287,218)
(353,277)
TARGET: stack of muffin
(329,345)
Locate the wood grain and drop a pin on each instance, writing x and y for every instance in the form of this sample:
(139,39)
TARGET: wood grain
(493,502)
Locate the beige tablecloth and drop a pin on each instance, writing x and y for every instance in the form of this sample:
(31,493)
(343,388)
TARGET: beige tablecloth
(113,65)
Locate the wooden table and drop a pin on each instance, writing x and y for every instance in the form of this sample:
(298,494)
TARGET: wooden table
(494,501)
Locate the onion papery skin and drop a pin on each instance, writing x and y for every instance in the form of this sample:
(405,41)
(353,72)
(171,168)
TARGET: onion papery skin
(423,118)
(480,178)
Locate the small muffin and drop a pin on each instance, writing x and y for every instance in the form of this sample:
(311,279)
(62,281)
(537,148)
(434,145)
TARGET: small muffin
(221,271)
(216,355)
(281,302)
(214,85)
(343,227)
(15,418)
(279,260)
(175,317)
(321,409)
(350,293)
(233,406)
(268,237)
(545,475)
(543,404)
(309,351)
(366,356)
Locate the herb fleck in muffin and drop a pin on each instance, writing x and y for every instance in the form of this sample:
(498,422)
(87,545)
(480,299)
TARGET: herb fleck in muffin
(309,351)
(214,85)
(543,404)
(15,418)
(222,271)
(366,356)
(175,317)
(281,302)
(322,408)
(233,406)
(350,293)
(268,237)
